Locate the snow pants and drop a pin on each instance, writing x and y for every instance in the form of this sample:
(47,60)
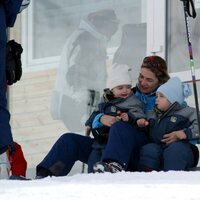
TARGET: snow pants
(8,13)
(5,130)
(68,149)
(124,145)
(175,156)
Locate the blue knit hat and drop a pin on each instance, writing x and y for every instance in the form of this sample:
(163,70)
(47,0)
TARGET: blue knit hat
(174,90)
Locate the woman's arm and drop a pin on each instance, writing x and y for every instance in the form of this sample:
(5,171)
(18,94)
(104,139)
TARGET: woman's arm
(103,120)
(174,136)
(188,133)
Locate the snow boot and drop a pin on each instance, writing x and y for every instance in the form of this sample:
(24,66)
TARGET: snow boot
(112,167)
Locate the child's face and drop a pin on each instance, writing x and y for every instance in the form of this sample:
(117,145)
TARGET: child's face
(162,102)
(122,91)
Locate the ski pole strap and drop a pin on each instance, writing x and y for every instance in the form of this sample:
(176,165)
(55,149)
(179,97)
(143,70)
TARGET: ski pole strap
(187,5)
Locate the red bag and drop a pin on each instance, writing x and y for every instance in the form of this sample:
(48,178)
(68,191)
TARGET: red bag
(18,163)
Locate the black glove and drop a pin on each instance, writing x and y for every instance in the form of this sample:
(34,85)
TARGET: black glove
(13,62)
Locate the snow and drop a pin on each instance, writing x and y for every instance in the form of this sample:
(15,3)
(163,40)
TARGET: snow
(120,186)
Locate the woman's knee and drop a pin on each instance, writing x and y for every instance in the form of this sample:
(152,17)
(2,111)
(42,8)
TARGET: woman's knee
(118,126)
(123,129)
(66,137)
(70,140)
(70,137)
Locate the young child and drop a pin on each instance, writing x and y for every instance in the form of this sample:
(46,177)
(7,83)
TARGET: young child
(172,126)
(118,101)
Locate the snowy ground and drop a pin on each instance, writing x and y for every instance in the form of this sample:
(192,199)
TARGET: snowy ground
(120,186)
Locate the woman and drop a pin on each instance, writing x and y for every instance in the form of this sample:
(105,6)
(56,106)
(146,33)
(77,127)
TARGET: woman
(124,140)
(122,149)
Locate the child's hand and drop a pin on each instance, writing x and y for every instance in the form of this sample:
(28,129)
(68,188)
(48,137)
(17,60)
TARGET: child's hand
(142,123)
(124,117)
(87,130)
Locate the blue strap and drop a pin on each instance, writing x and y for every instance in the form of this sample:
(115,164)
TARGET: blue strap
(96,122)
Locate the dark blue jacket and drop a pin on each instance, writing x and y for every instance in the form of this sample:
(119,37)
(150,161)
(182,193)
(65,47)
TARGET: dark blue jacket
(148,101)
(175,118)
(110,105)
(11,9)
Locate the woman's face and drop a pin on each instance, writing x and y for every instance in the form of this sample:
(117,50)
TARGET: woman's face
(147,81)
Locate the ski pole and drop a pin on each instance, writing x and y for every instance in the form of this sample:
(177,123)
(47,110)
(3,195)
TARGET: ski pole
(187,13)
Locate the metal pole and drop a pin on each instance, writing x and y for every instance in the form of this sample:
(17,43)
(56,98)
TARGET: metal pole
(186,13)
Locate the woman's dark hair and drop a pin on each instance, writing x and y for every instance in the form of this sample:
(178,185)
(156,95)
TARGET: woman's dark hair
(158,66)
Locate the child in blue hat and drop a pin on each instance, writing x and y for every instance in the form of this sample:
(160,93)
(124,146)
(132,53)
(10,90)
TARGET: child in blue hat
(173,126)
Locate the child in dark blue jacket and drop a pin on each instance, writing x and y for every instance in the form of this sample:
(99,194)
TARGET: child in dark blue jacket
(173,127)
(118,101)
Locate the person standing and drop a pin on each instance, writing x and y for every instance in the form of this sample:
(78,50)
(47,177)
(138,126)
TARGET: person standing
(81,75)
(8,13)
